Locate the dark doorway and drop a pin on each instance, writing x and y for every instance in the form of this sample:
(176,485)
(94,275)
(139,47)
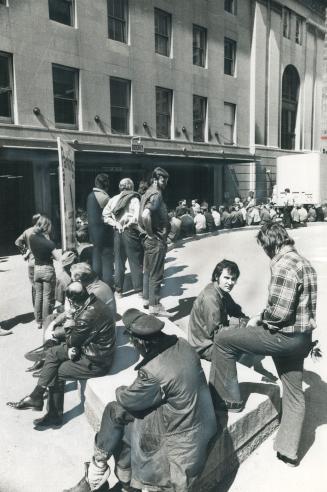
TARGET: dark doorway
(290,96)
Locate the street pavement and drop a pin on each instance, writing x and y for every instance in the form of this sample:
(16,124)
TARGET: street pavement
(51,460)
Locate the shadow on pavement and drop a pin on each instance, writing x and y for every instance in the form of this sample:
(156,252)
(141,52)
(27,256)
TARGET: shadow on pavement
(261,389)
(183,309)
(315,410)
(16,320)
(174,286)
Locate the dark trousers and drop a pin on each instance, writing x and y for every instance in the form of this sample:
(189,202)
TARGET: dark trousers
(113,439)
(154,261)
(128,246)
(288,352)
(287,218)
(58,367)
(31,279)
(103,263)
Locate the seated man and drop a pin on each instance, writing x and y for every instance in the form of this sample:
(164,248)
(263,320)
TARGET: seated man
(86,353)
(159,428)
(213,307)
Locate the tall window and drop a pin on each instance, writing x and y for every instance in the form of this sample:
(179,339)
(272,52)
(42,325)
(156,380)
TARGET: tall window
(120,96)
(287,23)
(229,56)
(162,27)
(199,45)
(229,123)
(298,30)
(163,112)
(65,92)
(3,2)
(290,95)
(6,86)
(62,11)
(230,6)
(117,20)
(199,118)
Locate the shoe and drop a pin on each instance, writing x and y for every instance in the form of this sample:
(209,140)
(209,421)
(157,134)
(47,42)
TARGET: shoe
(39,326)
(119,295)
(38,364)
(3,332)
(48,420)
(26,404)
(287,461)
(230,406)
(83,484)
(159,311)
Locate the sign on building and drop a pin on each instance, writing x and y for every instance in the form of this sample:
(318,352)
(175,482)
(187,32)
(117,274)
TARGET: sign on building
(67,194)
(137,146)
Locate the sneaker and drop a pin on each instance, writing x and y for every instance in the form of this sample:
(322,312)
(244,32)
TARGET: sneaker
(288,461)
(146,303)
(119,295)
(160,311)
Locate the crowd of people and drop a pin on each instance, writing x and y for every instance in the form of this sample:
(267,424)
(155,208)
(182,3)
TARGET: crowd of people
(159,429)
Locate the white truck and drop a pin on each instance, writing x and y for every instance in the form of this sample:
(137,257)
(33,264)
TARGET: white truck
(306,177)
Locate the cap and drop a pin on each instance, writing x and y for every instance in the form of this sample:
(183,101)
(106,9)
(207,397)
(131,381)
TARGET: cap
(140,324)
(67,258)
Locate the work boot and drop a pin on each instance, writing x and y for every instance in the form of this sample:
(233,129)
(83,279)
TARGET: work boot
(159,310)
(84,486)
(55,409)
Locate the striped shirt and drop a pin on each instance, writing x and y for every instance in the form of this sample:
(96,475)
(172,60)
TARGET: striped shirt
(292,299)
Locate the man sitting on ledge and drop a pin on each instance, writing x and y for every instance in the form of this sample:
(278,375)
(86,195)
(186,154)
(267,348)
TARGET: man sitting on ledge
(87,352)
(159,428)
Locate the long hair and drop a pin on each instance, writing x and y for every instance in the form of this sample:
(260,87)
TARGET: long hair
(231,266)
(272,237)
(43,225)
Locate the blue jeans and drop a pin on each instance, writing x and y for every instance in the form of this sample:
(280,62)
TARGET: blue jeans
(45,283)
(288,352)
(128,246)
(154,262)
(103,263)
(31,266)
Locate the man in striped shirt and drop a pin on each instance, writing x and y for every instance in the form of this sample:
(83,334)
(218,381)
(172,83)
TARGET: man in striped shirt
(283,330)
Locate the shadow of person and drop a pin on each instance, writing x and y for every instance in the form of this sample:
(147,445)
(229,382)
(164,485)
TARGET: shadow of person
(16,320)
(183,308)
(315,410)
(125,356)
(170,271)
(173,286)
(271,390)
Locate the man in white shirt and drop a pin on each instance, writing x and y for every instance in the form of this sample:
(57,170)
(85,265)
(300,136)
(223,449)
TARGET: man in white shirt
(200,222)
(121,212)
(216,216)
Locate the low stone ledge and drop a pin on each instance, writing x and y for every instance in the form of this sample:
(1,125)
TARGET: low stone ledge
(239,433)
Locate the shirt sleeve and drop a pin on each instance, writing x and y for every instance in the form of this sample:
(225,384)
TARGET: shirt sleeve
(107,214)
(283,298)
(21,242)
(145,393)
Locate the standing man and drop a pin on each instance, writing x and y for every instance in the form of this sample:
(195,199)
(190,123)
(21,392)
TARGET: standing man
(288,206)
(122,213)
(23,244)
(283,330)
(155,222)
(159,428)
(101,235)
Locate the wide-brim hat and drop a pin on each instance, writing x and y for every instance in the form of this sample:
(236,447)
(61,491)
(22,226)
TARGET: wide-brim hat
(142,325)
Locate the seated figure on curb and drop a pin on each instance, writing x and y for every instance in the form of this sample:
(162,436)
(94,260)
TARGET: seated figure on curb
(213,307)
(87,352)
(283,330)
(159,428)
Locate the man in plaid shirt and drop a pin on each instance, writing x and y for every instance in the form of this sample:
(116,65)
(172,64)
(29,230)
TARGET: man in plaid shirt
(283,330)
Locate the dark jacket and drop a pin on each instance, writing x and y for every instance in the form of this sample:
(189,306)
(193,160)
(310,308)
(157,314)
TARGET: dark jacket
(93,331)
(210,311)
(169,443)
(101,234)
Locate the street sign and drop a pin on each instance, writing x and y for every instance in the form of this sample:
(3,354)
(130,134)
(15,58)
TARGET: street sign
(67,194)
(137,146)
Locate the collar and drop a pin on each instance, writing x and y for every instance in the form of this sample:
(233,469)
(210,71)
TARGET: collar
(167,342)
(102,191)
(283,251)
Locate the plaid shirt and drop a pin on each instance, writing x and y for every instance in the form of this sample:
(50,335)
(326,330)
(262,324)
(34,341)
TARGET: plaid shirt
(292,297)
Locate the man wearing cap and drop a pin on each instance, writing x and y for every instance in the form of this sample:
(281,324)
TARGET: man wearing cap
(122,213)
(159,428)
(63,279)
(154,221)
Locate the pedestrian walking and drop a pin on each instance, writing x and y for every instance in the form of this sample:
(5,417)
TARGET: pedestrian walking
(44,251)
(154,221)
(23,244)
(159,428)
(101,235)
(122,213)
(283,330)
